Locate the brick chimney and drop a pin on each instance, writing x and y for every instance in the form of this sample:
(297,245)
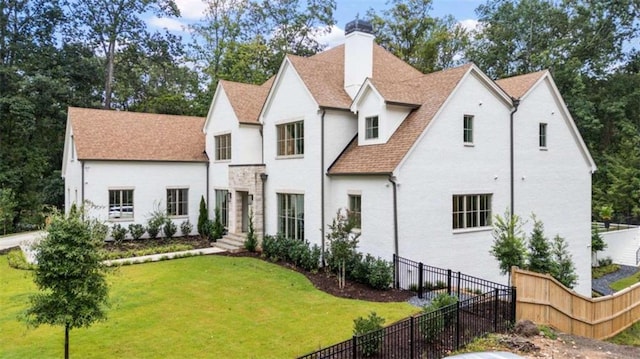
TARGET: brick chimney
(358,55)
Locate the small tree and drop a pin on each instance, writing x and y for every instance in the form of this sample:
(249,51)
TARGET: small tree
(203,217)
(251,244)
(539,249)
(597,243)
(564,270)
(217,228)
(342,244)
(70,276)
(606,214)
(8,204)
(508,245)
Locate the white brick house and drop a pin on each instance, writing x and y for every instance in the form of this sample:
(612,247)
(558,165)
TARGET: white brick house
(424,158)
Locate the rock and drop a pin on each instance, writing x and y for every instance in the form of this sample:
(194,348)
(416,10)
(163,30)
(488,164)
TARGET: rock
(526,328)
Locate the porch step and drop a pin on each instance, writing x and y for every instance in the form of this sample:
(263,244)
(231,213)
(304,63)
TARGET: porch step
(232,242)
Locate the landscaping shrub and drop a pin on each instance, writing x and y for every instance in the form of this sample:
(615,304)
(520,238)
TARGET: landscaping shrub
(380,275)
(186,227)
(216,228)
(370,333)
(203,218)
(268,247)
(99,230)
(136,230)
(17,260)
(605,262)
(294,251)
(437,314)
(118,233)
(169,228)
(251,244)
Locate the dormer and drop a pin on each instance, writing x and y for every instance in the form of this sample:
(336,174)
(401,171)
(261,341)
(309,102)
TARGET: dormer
(358,55)
(378,118)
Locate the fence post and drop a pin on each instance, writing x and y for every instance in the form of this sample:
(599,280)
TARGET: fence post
(458,286)
(355,347)
(412,340)
(495,310)
(458,324)
(449,281)
(420,279)
(396,276)
(512,317)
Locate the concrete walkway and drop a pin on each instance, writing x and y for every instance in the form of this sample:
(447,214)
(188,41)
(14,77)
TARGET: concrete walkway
(15,240)
(163,256)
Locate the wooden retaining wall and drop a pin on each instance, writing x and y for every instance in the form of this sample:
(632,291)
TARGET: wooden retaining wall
(544,300)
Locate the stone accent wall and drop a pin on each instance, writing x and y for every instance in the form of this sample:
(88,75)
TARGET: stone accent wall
(246,179)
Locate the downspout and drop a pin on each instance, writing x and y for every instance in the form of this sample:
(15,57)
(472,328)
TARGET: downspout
(322,175)
(82,189)
(207,188)
(516,103)
(263,177)
(393,179)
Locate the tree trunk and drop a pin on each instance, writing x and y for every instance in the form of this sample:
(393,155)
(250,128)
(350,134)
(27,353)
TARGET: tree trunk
(66,341)
(109,78)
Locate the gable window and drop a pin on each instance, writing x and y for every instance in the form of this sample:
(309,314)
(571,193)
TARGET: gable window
(543,135)
(222,205)
(291,215)
(291,139)
(355,210)
(223,147)
(471,211)
(178,201)
(467,131)
(371,127)
(120,204)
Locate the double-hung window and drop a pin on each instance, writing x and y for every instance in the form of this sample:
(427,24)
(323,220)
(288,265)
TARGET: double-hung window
(371,127)
(355,210)
(120,204)
(471,211)
(223,147)
(177,201)
(542,135)
(222,205)
(291,139)
(291,215)
(467,129)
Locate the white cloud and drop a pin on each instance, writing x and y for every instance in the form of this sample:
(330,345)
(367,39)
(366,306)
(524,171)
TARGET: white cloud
(333,38)
(191,9)
(167,23)
(469,24)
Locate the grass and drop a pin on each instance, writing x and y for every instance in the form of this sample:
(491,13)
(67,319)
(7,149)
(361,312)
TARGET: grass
(199,307)
(630,336)
(625,282)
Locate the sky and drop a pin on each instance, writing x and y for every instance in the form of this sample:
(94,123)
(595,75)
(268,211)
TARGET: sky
(346,10)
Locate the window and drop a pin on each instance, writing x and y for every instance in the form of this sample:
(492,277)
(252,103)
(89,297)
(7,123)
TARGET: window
(543,135)
(371,127)
(223,147)
(468,129)
(291,139)
(177,201)
(222,204)
(470,211)
(121,204)
(291,215)
(355,210)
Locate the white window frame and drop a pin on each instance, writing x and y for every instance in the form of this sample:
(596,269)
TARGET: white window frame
(467,129)
(178,202)
(290,139)
(222,204)
(542,135)
(371,127)
(121,204)
(291,215)
(355,209)
(223,147)
(471,211)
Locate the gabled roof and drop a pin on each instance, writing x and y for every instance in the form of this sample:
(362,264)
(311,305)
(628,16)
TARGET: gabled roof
(323,74)
(434,89)
(132,136)
(518,86)
(246,99)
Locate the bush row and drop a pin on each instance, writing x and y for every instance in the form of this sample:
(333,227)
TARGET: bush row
(366,269)
(109,255)
(299,253)
(154,228)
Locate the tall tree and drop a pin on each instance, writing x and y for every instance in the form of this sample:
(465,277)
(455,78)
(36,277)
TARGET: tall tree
(411,33)
(70,276)
(112,24)
(508,243)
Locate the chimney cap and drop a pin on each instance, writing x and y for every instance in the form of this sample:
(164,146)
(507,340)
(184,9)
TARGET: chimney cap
(358,25)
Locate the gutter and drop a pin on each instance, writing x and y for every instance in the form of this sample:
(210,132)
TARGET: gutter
(516,103)
(393,180)
(322,179)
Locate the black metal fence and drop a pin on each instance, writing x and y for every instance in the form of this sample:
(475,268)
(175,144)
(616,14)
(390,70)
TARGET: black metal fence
(437,333)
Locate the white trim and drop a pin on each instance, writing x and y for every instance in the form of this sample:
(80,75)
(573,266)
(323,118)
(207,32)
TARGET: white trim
(288,191)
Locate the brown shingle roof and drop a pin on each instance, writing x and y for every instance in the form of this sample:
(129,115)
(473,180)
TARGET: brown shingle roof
(434,89)
(323,73)
(122,135)
(246,99)
(517,86)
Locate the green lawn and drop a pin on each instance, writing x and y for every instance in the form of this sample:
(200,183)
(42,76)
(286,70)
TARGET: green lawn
(199,307)
(625,282)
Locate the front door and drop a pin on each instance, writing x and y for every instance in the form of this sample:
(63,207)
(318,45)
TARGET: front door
(245,211)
